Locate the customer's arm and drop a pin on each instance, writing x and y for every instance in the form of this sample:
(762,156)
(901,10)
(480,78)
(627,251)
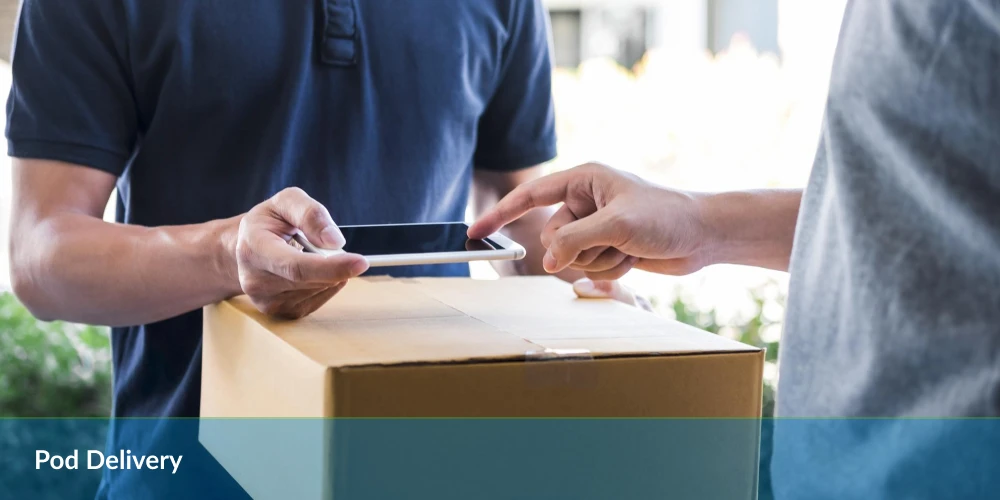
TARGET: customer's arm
(69,264)
(657,229)
(751,228)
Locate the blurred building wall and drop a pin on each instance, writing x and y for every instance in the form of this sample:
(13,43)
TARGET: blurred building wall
(585,29)
(8,16)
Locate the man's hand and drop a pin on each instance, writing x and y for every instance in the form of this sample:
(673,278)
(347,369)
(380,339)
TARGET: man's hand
(610,223)
(68,264)
(280,279)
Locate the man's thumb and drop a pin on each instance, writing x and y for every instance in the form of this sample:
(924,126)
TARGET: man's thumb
(589,289)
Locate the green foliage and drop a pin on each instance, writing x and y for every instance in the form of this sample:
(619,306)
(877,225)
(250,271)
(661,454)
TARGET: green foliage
(747,330)
(51,369)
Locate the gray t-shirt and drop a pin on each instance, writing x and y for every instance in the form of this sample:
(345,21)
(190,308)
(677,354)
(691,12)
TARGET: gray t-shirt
(894,306)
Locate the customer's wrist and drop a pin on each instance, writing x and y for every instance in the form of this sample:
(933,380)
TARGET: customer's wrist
(752,228)
(711,228)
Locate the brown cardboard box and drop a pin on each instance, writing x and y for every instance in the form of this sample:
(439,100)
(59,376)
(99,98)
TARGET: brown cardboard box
(446,348)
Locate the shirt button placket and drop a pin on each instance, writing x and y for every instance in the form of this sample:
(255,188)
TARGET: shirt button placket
(340,46)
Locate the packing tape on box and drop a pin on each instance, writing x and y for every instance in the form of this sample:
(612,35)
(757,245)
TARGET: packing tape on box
(560,368)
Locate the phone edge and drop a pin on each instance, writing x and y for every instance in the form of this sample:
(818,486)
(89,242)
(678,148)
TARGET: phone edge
(511,251)
(421,259)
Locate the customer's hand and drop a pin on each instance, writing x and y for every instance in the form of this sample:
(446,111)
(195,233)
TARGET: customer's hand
(280,279)
(610,223)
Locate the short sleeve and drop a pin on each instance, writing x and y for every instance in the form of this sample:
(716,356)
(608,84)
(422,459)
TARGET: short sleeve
(70,97)
(517,129)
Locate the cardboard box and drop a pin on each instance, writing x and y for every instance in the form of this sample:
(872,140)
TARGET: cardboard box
(417,349)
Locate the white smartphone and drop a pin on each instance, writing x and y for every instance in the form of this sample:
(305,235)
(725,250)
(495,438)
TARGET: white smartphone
(419,244)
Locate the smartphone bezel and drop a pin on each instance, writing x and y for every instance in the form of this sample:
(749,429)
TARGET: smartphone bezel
(510,250)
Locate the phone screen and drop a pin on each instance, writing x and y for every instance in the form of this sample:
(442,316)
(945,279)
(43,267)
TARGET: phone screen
(412,239)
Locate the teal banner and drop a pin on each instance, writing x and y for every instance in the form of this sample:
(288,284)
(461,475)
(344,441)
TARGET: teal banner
(499,458)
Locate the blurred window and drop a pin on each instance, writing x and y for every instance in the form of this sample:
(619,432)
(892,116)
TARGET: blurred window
(567,37)
(625,30)
(753,19)
(618,33)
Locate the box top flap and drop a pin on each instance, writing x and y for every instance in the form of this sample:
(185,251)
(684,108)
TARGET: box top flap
(440,320)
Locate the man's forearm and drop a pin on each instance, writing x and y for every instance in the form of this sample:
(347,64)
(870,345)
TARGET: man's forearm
(753,228)
(75,267)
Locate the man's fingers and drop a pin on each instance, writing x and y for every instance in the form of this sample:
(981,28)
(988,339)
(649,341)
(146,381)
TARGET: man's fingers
(543,192)
(589,289)
(607,259)
(277,257)
(614,273)
(569,242)
(588,256)
(562,217)
(314,302)
(295,207)
(296,304)
(315,269)
(670,267)
(308,297)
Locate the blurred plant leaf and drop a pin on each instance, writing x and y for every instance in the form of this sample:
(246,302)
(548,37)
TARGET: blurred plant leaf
(51,369)
(747,330)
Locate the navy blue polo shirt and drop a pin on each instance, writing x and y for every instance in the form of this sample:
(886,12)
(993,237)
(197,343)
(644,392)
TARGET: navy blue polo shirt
(380,109)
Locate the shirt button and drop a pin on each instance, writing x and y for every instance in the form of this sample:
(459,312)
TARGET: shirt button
(340,20)
(338,50)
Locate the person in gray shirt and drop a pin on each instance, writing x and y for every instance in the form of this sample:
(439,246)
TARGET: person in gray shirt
(893,250)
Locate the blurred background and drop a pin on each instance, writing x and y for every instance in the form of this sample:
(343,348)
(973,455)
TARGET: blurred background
(704,95)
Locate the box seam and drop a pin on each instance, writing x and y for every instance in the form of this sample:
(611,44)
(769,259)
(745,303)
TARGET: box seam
(496,360)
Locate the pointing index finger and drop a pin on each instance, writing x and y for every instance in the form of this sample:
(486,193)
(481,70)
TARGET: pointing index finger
(543,192)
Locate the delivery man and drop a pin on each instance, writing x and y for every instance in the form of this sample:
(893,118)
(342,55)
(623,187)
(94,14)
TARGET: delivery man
(894,254)
(226,126)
